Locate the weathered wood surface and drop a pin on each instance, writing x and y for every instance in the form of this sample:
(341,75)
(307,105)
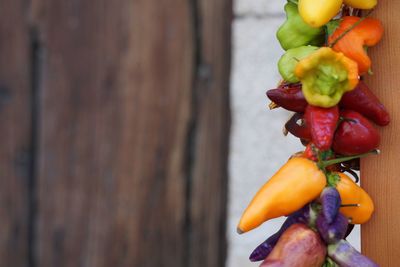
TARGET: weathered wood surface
(15,134)
(134,122)
(380,174)
(208,185)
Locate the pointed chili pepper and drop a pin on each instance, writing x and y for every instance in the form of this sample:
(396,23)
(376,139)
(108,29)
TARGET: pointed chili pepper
(288,96)
(306,215)
(351,39)
(330,200)
(297,183)
(351,193)
(334,231)
(347,256)
(297,126)
(355,134)
(362,100)
(322,122)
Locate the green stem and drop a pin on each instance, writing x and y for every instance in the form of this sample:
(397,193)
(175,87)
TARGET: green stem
(349,29)
(326,163)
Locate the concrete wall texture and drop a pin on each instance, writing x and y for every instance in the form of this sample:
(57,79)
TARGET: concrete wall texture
(258,147)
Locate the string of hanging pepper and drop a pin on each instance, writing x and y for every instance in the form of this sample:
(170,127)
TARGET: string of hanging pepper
(335,116)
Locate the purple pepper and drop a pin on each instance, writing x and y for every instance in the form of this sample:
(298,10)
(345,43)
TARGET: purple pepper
(305,215)
(332,233)
(331,201)
(263,250)
(347,256)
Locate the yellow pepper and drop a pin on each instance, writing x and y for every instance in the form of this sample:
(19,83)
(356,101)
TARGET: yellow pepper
(361,4)
(325,76)
(317,13)
(297,183)
(351,193)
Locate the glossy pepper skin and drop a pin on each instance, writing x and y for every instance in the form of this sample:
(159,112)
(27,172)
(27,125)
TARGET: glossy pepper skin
(351,193)
(296,125)
(322,122)
(330,201)
(287,63)
(289,97)
(366,34)
(306,215)
(317,13)
(294,32)
(299,246)
(347,256)
(355,134)
(295,184)
(361,4)
(334,231)
(325,76)
(362,100)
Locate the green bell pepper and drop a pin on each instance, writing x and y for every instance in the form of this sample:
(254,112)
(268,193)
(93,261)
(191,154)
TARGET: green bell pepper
(295,32)
(288,62)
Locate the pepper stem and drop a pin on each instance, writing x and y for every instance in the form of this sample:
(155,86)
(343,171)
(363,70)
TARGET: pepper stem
(273,105)
(327,163)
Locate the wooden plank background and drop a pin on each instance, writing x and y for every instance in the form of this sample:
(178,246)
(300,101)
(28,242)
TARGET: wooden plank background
(114,132)
(16,148)
(380,174)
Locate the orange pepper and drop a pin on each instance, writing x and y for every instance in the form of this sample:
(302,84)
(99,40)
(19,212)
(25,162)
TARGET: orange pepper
(351,193)
(297,183)
(352,44)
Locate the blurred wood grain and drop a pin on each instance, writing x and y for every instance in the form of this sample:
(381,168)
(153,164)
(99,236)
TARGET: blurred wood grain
(15,134)
(379,174)
(115,129)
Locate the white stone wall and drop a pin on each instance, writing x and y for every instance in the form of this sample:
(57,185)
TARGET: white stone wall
(258,147)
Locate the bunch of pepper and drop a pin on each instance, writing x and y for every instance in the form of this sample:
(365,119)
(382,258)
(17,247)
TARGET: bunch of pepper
(335,111)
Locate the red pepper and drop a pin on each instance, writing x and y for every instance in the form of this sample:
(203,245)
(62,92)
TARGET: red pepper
(355,134)
(288,96)
(310,153)
(322,122)
(296,126)
(362,100)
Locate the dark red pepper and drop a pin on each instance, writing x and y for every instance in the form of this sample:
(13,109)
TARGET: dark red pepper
(296,126)
(288,96)
(322,122)
(362,100)
(355,134)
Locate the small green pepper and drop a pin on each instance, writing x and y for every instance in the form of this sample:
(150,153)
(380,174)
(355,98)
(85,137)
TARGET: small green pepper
(295,32)
(288,62)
